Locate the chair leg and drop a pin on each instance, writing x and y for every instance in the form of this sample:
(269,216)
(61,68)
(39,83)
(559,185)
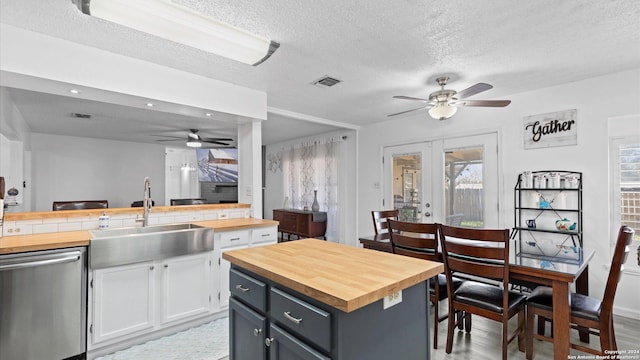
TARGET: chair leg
(607,338)
(451,325)
(505,338)
(436,320)
(460,319)
(467,322)
(521,330)
(542,323)
(529,333)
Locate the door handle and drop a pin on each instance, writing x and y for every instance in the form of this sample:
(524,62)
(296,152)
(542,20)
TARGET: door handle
(63,258)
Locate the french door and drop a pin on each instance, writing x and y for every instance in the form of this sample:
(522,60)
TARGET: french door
(452,181)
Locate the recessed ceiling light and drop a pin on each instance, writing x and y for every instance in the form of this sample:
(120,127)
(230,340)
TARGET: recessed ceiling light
(208,114)
(74,91)
(149,104)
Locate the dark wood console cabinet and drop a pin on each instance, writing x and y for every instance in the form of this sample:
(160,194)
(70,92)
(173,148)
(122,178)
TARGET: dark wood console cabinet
(303,224)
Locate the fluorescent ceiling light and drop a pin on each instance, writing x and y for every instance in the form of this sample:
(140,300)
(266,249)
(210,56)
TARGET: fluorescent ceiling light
(170,21)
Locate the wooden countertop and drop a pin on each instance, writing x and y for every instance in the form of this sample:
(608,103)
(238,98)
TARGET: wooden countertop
(41,215)
(48,241)
(344,277)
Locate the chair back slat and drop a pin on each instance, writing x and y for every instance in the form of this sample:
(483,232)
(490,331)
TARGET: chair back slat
(478,252)
(491,251)
(414,239)
(486,270)
(380,218)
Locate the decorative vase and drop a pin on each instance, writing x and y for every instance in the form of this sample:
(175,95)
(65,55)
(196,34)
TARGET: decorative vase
(315,206)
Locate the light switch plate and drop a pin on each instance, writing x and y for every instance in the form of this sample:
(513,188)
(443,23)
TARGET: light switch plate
(391,300)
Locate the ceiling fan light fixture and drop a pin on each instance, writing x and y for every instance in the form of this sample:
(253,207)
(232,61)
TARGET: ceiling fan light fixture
(442,111)
(194,143)
(173,22)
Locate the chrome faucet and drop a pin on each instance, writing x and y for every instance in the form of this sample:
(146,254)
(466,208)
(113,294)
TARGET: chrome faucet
(146,202)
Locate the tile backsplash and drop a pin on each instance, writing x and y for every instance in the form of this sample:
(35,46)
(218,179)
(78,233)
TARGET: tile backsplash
(62,224)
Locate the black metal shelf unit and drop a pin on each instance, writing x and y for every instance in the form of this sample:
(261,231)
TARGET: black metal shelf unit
(548,212)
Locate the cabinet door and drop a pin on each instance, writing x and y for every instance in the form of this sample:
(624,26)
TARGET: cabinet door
(223,277)
(247,333)
(124,301)
(284,346)
(185,286)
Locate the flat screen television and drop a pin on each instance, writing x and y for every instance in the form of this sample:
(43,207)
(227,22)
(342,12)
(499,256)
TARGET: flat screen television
(219,165)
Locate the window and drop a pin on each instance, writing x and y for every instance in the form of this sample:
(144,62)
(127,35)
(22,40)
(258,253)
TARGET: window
(626,190)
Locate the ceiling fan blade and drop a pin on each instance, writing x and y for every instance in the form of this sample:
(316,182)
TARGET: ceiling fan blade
(410,98)
(216,142)
(486,103)
(216,139)
(169,136)
(404,112)
(472,90)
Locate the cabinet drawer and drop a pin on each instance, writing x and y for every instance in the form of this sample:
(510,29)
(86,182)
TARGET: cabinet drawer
(260,235)
(234,238)
(251,291)
(301,318)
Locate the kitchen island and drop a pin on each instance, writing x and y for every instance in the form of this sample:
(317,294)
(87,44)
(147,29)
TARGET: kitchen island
(322,300)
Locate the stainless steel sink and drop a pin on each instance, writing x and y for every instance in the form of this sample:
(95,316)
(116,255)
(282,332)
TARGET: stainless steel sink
(138,244)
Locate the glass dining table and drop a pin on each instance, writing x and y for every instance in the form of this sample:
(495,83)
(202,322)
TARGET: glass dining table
(556,272)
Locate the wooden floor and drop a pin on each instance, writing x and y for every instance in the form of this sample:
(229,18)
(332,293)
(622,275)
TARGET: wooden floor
(484,341)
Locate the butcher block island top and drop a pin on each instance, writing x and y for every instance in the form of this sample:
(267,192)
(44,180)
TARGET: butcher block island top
(344,277)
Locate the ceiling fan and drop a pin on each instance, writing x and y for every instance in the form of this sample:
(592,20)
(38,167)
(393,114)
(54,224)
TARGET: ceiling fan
(194,140)
(444,103)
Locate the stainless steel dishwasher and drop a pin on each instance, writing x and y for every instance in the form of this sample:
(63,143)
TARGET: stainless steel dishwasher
(43,300)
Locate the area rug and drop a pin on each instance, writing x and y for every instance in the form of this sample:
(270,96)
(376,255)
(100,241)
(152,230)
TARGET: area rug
(206,342)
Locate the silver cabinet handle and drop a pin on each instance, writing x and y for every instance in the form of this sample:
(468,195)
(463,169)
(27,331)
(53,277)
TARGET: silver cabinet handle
(287,315)
(242,288)
(268,341)
(264,235)
(257,332)
(234,239)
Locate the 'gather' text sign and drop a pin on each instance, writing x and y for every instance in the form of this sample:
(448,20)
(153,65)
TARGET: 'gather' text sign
(551,129)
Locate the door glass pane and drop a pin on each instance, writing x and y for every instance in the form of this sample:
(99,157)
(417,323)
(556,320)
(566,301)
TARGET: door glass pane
(407,182)
(464,190)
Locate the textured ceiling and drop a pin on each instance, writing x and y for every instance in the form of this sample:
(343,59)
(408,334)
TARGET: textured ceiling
(378,48)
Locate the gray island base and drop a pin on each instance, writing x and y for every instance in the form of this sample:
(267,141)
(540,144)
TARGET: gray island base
(268,318)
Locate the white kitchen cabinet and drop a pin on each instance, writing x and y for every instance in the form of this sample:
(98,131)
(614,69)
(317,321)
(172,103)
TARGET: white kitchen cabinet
(233,240)
(124,301)
(223,277)
(186,287)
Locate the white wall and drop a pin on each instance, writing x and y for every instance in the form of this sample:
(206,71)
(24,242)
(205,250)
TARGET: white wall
(73,168)
(595,99)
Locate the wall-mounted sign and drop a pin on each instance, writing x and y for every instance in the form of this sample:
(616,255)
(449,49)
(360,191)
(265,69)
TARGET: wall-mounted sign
(551,129)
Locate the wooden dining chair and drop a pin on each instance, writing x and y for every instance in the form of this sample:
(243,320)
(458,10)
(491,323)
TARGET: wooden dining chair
(481,254)
(380,219)
(420,240)
(587,313)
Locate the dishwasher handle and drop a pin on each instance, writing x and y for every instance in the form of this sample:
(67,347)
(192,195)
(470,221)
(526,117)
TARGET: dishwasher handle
(44,260)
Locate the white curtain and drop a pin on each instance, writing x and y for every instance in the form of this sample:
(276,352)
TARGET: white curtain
(313,167)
